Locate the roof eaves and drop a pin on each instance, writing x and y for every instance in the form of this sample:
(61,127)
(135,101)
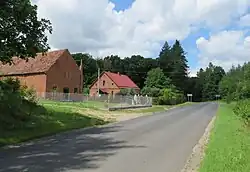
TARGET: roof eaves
(21,74)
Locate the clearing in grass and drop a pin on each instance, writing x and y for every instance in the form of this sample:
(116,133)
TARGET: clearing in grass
(229,146)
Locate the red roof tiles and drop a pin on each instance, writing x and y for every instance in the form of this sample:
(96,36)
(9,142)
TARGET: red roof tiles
(122,81)
(41,63)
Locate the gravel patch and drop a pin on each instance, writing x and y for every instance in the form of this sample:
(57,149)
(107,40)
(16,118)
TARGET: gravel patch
(195,159)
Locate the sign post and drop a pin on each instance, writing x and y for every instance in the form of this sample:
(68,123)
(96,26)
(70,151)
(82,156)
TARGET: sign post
(217,96)
(190,96)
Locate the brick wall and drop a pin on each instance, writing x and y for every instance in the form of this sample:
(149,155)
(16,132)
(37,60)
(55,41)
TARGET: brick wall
(109,85)
(64,73)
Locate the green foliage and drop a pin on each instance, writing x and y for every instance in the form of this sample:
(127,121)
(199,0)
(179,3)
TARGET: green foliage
(151,91)
(209,80)
(16,103)
(86,91)
(171,96)
(236,84)
(157,79)
(22,33)
(173,62)
(242,109)
(127,92)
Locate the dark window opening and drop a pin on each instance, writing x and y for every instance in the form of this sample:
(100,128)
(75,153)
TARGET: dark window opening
(103,83)
(75,90)
(112,83)
(65,90)
(66,93)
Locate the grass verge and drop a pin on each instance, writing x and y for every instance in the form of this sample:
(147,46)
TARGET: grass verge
(229,146)
(48,121)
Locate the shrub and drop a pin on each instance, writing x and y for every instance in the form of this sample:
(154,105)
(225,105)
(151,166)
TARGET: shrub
(127,92)
(16,103)
(171,96)
(151,92)
(242,109)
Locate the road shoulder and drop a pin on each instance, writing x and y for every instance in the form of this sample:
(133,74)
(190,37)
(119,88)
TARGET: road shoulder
(195,159)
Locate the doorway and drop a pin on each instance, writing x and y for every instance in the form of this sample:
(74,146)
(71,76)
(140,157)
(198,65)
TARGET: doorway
(66,93)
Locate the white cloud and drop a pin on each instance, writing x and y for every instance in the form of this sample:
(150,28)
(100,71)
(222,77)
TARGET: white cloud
(245,20)
(225,49)
(95,27)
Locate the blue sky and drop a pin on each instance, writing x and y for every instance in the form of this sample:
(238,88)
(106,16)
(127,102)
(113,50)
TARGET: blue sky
(122,4)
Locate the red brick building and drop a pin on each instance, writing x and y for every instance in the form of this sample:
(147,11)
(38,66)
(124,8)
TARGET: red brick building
(55,70)
(112,83)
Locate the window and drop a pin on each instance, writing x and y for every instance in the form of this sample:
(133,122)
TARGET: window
(112,83)
(103,83)
(75,90)
(66,75)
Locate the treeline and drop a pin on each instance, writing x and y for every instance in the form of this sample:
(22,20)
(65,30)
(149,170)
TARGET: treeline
(173,64)
(235,86)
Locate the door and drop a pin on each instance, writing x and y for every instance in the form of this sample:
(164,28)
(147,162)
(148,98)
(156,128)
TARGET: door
(66,93)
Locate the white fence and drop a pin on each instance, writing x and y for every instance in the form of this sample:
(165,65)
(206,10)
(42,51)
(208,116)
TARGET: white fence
(107,100)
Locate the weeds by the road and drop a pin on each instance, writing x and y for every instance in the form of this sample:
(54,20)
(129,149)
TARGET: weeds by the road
(229,146)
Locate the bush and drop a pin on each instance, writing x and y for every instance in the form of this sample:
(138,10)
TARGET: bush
(171,96)
(127,92)
(151,92)
(16,103)
(242,109)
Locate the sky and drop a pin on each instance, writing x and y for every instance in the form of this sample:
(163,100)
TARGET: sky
(216,31)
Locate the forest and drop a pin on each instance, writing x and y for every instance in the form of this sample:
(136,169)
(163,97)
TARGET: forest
(166,75)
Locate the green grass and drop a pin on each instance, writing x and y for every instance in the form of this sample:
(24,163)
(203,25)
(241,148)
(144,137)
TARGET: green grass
(88,104)
(48,121)
(229,146)
(154,108)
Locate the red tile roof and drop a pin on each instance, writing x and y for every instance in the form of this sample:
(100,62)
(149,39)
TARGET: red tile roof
(122,81)
(41,63)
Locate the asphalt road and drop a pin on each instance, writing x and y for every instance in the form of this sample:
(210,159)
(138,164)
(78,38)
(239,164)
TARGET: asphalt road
(156,143)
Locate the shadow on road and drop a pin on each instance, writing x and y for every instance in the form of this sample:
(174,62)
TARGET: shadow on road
(82,149)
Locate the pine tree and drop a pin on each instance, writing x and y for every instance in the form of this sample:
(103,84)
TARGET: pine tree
(179,74)
(164,61)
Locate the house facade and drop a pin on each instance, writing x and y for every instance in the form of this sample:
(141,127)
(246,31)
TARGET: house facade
(112,83)
(49,72)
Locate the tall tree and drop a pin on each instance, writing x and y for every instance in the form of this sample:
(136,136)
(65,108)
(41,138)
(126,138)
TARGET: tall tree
(165,60)
(179,74)
(22,34)
(210,79)
(173,62)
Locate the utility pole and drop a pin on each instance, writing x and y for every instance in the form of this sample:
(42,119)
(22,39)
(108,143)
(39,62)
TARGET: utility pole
(98,82)
(81,81)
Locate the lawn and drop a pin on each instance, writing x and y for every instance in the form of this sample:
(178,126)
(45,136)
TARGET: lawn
(87,104)
(49,120)
(229,146)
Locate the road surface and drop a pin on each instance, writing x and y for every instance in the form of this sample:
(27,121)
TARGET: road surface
(156,143)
